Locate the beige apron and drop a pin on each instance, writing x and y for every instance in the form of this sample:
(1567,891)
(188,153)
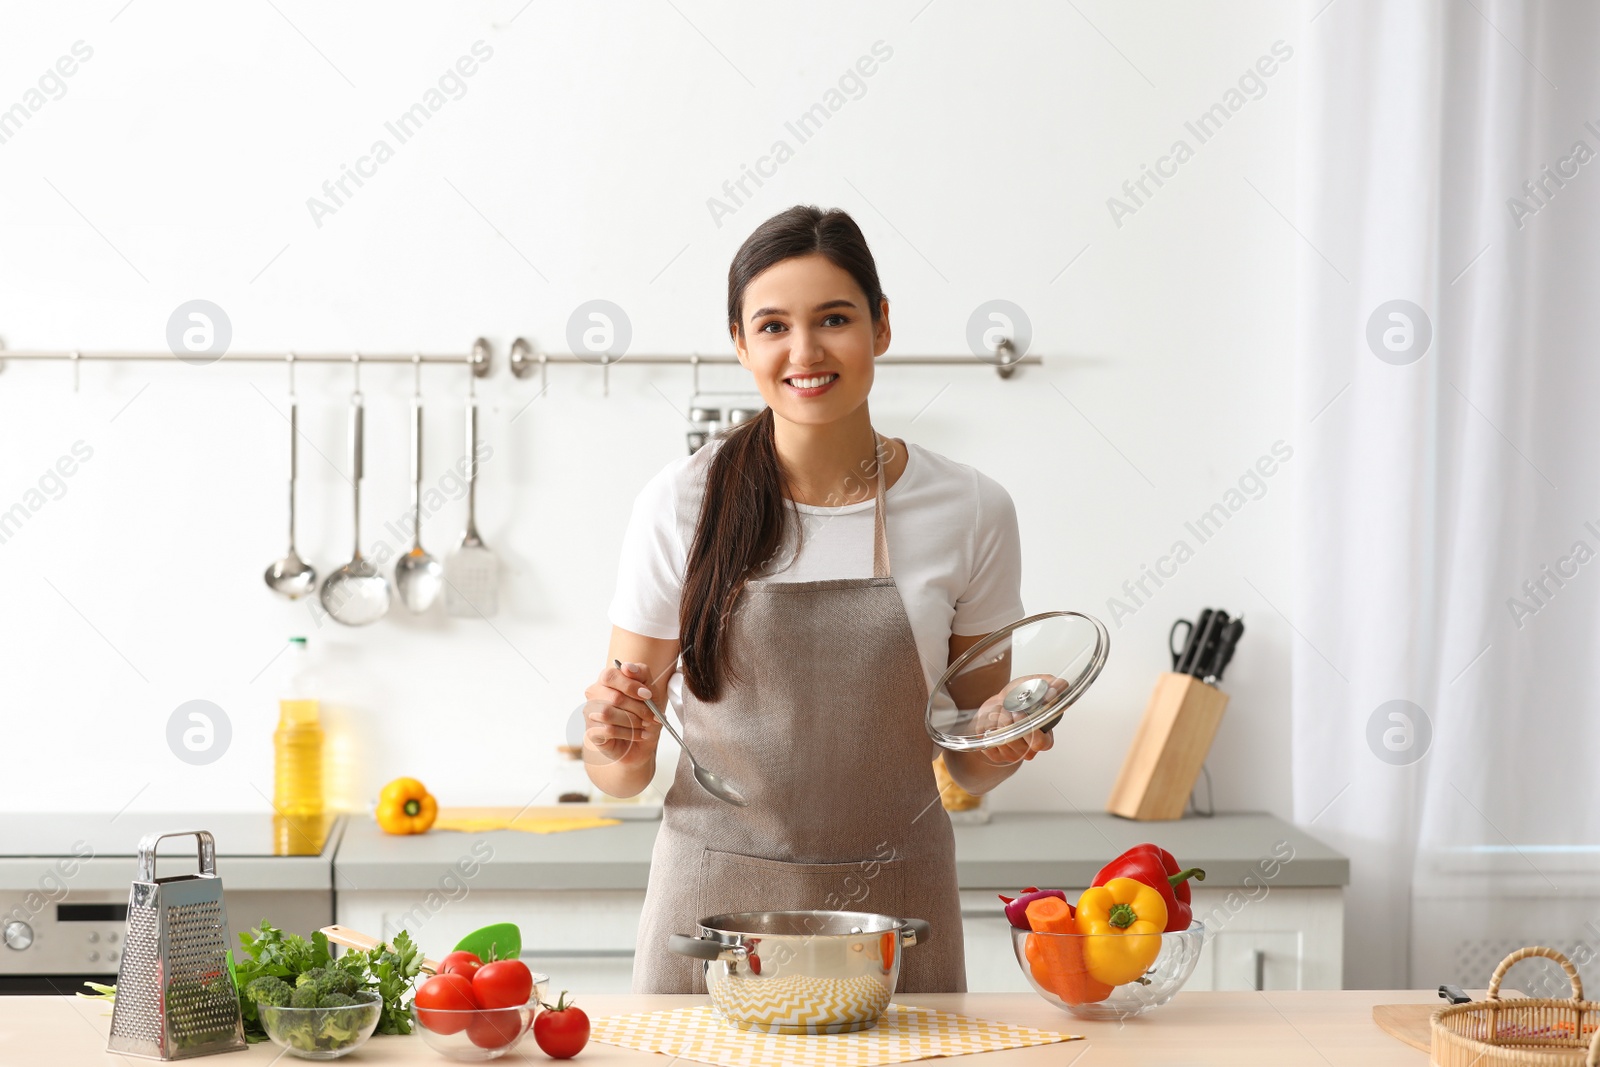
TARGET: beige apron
(825,738)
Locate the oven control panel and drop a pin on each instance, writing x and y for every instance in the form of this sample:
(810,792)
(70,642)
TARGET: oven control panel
(81,937)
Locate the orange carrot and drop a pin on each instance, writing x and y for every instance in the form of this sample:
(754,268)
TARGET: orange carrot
(1057,962)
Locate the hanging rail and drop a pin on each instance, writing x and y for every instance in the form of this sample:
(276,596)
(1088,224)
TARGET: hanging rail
(478,357)
(525,360)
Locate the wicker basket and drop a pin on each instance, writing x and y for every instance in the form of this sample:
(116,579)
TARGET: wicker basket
(1521,1031)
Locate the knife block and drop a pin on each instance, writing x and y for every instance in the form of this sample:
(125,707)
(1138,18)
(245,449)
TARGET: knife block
(1159,772)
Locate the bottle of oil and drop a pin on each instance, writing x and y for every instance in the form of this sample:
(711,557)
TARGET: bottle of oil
(297,744)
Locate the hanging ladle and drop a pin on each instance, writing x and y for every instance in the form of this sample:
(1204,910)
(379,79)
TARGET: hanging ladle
(709,780)
(292,576)
(356,593)
(417,575)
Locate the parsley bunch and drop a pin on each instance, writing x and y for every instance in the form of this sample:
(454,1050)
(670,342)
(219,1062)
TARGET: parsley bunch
(388,970)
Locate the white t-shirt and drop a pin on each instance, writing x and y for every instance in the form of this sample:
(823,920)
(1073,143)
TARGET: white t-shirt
(954,551)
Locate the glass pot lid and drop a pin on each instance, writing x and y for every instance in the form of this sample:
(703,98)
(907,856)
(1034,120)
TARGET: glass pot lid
(1019,679)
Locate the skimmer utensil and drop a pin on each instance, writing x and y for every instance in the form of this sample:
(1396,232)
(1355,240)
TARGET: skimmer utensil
(472,573)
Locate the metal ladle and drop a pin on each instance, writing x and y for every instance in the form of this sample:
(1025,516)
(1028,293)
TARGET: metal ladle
(292,576)
(356,593)
(709,780)
(418,576)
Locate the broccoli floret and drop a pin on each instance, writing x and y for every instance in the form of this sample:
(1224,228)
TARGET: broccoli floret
(338,980)
(270,989)
(315,974)
(336,1000)
(306,996)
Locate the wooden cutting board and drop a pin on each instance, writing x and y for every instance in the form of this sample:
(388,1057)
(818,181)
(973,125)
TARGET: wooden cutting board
(1413,1023)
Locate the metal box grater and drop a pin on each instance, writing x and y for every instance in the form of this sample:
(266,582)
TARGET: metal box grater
(175,997)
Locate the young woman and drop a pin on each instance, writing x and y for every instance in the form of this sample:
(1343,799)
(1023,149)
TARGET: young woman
(763,560)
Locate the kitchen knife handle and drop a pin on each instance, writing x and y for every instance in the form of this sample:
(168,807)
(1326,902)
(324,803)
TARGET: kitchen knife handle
(1208,646)
(1226,645)
(1203,641)
(1192,649)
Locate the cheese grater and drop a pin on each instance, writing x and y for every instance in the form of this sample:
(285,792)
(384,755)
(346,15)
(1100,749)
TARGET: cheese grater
(472,573)
(175,997)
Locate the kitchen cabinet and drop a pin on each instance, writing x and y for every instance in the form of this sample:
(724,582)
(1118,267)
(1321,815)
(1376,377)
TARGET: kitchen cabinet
(1273,894)
(583,939)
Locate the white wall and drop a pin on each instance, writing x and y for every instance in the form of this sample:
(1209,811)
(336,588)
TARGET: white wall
(979,161)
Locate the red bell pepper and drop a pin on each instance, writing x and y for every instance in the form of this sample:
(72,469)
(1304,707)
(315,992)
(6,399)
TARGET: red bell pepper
(1157,868)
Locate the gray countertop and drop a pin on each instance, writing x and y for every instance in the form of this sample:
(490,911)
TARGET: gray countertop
(83,851)
(1012,850)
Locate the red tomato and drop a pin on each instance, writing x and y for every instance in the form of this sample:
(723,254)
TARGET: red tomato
(561,1031)
(453,996)
(495,1028)
(503,984)
(460,962)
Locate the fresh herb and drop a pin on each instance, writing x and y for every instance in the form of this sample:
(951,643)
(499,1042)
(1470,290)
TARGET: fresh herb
(394,970)
(309,973)
(107,993)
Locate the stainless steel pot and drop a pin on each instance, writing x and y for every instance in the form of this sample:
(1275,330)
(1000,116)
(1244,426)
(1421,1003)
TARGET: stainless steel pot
(801,972)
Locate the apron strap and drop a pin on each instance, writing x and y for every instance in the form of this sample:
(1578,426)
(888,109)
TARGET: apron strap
(880,532)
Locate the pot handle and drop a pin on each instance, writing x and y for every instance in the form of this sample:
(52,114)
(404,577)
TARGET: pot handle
(914,931)
(701,949)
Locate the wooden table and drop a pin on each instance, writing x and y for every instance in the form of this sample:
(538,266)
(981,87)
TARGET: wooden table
(1197,1029)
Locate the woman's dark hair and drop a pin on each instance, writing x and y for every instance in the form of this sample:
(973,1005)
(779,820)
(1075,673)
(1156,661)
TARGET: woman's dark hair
(741,521)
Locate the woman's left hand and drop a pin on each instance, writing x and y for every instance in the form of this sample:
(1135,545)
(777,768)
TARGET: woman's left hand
(993,715)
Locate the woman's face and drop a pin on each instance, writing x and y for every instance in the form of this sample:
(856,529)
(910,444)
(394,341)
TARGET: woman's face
(807,320)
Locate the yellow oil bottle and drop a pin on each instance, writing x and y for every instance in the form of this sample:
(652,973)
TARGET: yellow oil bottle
(297,743)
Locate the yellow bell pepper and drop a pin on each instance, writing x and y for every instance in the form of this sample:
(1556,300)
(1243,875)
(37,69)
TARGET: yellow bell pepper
(405,807)
(1129,916)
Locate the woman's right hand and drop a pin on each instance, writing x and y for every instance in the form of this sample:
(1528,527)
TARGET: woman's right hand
(618,727)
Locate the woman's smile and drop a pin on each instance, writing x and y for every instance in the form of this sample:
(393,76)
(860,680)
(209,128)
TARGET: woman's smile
(811,385)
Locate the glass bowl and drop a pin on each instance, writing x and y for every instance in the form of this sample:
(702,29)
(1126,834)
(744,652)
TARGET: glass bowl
(475,1034)
(323,1033)
(1060,961)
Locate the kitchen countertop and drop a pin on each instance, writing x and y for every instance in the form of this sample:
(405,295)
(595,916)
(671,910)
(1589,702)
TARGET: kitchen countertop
(1014,849)
(101,849)
(1196,1029)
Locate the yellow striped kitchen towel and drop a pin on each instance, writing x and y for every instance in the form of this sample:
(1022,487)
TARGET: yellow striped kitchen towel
(533,820)
(902,1035)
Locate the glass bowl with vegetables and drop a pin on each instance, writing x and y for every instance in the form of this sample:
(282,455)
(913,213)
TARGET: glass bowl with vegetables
(474,1034)
(475,1011)
(1127,947)
(317,1021)
(1058,966)
(293,990)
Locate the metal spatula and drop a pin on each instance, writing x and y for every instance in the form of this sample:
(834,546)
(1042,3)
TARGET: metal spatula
(472,573)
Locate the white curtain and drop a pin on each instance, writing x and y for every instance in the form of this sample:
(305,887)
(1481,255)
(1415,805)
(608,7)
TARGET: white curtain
(1447,517)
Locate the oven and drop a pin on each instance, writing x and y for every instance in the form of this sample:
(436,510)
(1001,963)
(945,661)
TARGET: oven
(65,879)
